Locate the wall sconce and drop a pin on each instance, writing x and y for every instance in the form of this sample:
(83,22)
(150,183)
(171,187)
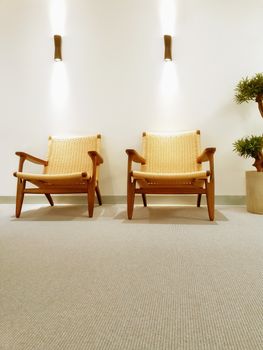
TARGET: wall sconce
(167,48)
(57,42)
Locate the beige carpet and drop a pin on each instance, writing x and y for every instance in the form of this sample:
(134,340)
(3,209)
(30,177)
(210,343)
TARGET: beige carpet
(169,279)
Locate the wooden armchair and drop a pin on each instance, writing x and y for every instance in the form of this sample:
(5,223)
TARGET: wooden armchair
(171,164)
(71,167)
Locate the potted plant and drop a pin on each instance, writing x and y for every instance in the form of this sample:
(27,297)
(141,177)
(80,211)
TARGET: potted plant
(251,89)
(251,147)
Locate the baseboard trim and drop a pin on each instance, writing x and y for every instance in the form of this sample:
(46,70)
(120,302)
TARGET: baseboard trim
(152,199)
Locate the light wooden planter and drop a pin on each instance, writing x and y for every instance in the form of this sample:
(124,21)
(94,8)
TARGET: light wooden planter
(254,189)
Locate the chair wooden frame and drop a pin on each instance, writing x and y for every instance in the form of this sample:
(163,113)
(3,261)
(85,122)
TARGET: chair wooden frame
(86,183)
(134,188)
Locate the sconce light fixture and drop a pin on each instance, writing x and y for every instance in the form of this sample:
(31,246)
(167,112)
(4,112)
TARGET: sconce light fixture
(167,48)
(57,42)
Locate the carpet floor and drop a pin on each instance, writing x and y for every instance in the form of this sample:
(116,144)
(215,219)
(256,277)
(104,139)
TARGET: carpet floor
(169,279)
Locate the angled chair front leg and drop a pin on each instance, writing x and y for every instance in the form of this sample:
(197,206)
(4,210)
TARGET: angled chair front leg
(20,196)
(144,199)
(130,198)
(91,197)
(49,198)
(91,185)
(97,189)
(210,199)
(199,197)
(133,156)
(208,155)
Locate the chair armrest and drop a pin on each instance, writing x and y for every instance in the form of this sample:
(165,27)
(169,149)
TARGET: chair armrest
(25,156)
(96,160)
(206,155)
(31,159)
(96,156)
(135,157)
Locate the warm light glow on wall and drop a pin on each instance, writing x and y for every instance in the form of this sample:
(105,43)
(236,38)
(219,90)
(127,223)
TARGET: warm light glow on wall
(59,87)
(167,17)
(59,83)
(57,16)
(169,81)
(169,95)
(167,24)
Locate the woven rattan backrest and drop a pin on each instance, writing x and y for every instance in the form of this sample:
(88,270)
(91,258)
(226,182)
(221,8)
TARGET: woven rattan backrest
(168,153)
(70,155)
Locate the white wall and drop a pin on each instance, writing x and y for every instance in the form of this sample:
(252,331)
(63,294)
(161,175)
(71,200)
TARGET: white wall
(113,79)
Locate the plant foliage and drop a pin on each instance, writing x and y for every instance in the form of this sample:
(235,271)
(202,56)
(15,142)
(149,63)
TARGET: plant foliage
(249,88)
(250,146)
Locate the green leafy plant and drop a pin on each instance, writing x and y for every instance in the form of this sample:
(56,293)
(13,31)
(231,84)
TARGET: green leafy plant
(251,89)
(251,146)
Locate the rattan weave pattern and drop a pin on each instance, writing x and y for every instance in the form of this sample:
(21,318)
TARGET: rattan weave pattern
(79,177)
(70,155)
(169,176)
(185,148)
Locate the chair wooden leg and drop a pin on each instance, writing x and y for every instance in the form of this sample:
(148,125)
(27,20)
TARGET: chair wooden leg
(19,196)
(130,199)
(91,198)
(144,199)
(49,198)
(199,196)
(210,198)
(97,189)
